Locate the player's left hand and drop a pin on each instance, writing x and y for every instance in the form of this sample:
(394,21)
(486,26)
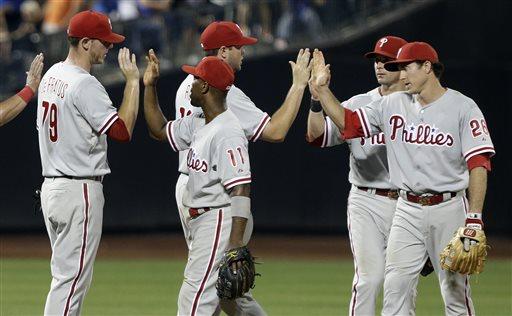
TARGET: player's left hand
(152,72)
(35,71)
(236,273)
(466,252)
(301,69)
(128,65)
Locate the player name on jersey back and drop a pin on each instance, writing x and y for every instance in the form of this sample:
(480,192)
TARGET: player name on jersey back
(73,114)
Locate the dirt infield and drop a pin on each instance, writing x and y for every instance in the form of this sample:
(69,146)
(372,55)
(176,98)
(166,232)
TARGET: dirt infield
(173,246)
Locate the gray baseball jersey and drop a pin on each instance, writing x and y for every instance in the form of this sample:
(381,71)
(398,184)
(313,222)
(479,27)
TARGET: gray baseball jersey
(73,114)
(368,161)
(252,119)
(217,158)
(428,146)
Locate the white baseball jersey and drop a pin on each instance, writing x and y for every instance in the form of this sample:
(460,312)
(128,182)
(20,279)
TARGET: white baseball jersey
(252,119)
(428,146)
(217,158)
(368,161)
(73,114)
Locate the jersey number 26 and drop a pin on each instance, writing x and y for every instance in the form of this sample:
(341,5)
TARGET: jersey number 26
(51,111)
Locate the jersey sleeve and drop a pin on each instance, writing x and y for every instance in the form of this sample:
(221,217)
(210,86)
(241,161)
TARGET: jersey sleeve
(475,136)
(233,163)
(180,132)
(371,117)
(93,103)
(251,118)
(332,134)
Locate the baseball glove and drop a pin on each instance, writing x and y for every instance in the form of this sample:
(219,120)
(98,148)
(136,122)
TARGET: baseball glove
(466,252)
(236,273)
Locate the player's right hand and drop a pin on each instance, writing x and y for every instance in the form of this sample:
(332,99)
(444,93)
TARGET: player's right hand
(152,72)
(128,65)
(321,73)
(35,71)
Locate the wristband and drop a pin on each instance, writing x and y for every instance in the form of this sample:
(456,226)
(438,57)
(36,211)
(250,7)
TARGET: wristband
(473,215)
(474,220)
(315,106)
(241,206)
(26,94)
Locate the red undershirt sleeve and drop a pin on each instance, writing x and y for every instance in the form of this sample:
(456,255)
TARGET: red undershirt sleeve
(481,160)
(119,132)
(353,127)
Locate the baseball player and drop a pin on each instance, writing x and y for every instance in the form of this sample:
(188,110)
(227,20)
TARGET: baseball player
(13,106)
(74,117)
(216,195)
(226,41)
(438,145)
(372,199)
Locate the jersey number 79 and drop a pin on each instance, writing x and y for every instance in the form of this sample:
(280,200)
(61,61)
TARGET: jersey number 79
(51,111)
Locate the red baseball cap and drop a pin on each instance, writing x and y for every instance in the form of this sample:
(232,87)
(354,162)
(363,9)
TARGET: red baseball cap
(387,46)
(214,71)
(224,33)
(412,52)
(93,24)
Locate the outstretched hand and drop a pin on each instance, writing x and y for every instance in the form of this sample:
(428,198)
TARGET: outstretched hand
(35,71)
(152,72)
(321,73)
(301,69)
(128,65)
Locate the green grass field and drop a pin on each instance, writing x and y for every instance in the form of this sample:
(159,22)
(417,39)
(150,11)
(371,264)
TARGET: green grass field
(295,287)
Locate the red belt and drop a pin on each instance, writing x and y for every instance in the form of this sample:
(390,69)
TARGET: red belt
(392,194)
(428,200)
(195,212)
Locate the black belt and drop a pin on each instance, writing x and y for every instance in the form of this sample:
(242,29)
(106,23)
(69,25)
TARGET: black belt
(93,178)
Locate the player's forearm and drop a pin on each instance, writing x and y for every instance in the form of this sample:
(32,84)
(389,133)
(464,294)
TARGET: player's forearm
(237,232)
(477,189)
(332,107)
(10,108)
(240,208)
(153,113)
(283,118)
(316,124)
(130,107)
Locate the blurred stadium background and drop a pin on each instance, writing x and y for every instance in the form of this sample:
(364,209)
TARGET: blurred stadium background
(299,192)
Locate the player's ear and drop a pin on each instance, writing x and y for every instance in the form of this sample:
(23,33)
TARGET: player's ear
(223,52)
(205,87)
(85,43)
(427,66)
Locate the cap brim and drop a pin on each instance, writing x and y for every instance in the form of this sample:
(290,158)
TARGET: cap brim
(113,38)
(393,65)
(189,69)
(375,54)
(246,40)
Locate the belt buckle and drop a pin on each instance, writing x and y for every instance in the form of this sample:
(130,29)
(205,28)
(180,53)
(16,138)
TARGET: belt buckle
(425,200)
(393,194)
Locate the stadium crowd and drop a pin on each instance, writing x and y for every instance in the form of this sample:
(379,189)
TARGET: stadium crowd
(171,27)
